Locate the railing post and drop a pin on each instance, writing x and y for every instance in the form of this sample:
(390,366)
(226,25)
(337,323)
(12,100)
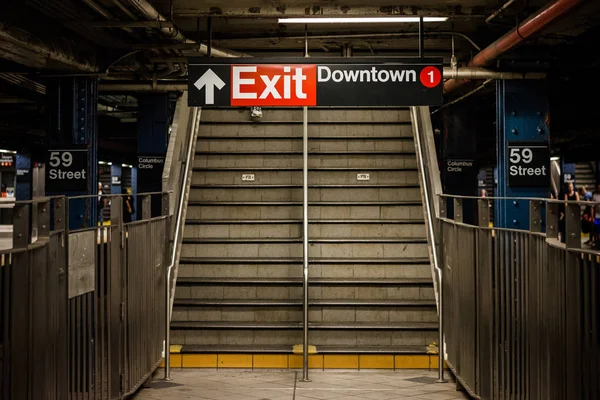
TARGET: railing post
(21,232)
(573,226)
(442,201)
(165,204)
(59,214)
(552,220)
(43,219)
(483,212)
(535,216)
(458,210)
(146,207)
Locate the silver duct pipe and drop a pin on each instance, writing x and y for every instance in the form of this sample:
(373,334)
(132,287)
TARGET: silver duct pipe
(449,73)
(483,73)
(150,13)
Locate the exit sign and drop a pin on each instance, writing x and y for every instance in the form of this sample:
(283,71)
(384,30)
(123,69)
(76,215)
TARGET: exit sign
(315,82)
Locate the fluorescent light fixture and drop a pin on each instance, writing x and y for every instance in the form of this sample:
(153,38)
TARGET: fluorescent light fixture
(126,166)
(109,163)
(358,20)
(554,158)
(8,151)
(101,162)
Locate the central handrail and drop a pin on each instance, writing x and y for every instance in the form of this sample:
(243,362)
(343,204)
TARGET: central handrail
(192,134)
(424,173)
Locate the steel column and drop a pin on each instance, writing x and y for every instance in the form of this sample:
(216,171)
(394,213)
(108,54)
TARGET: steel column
(522,115)
(72,104)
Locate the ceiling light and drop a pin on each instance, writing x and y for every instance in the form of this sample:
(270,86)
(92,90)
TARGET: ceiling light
(554,158)
(359,20)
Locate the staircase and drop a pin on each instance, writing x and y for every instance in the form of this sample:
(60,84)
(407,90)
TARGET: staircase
(240,277)
(585,176)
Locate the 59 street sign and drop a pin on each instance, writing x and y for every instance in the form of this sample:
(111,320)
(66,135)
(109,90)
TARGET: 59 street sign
(528,164)
(66,171)
(318,82)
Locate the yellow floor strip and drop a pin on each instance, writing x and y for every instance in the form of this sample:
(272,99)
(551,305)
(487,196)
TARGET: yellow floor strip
(315,361)
(234,361)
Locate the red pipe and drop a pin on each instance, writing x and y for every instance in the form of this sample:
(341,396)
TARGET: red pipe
(528,28)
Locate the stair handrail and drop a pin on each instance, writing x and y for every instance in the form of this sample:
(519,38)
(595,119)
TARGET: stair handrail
(431,189)
(181,194)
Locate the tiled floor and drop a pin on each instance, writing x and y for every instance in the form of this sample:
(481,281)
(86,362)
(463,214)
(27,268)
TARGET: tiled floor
(287,385)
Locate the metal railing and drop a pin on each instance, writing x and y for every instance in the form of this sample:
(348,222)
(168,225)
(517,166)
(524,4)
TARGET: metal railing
(177,178)
(522,306)
(431,188)
(78,309)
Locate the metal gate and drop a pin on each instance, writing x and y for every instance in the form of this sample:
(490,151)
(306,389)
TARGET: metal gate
(82,312)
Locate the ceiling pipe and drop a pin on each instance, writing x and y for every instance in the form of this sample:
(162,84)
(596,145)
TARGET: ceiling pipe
(499,11)
(528,28)
(179,85)
(173,33)
(483,73)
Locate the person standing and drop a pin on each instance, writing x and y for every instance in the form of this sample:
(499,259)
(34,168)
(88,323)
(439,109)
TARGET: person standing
(570,195)
(596,212)
(101,204)
(127,204)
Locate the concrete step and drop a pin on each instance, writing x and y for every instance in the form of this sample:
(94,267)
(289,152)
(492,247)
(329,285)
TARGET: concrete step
(291,288)
(298,303)
(290,247)
(318,115)
(317,210)
(253,192)
(353,341)
(337,273)
(393,311)
(293,228)
(279,349)
(327,129)
(333,159)
(257,144)
(280,177)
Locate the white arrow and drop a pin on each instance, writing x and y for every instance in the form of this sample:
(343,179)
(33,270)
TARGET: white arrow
(209,80)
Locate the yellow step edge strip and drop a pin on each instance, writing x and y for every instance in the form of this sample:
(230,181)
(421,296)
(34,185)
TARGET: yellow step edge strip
(294,361)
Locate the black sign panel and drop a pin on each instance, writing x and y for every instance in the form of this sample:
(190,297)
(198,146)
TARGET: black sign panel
(66,171)
(459,175)
(150,169)
(528,164)
(315,82)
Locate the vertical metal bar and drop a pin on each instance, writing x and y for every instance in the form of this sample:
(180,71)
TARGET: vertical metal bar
(573,226)
(43,219)
(535,216)
(421,37)
(146,207)
(305,242)
(21,232)
(210,34)
(458,210)
(552,220)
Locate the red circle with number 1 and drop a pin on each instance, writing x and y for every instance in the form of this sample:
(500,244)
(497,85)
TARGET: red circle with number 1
(430,77)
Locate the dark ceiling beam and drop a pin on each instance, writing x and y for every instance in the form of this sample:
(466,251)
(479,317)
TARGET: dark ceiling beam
(26,49)
(276,11)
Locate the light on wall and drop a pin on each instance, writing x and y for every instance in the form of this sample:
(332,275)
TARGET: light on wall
(358,20)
